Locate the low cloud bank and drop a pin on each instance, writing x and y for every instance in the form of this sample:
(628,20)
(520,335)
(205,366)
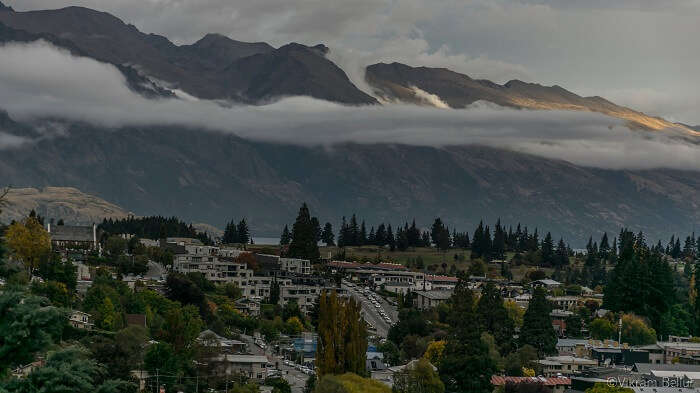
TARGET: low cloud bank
(38,80)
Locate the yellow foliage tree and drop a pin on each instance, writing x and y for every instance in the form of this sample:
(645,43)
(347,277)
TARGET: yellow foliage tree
(528,372)
(29,242)
(434,352)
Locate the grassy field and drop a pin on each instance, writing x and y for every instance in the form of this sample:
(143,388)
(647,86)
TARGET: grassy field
(429,256)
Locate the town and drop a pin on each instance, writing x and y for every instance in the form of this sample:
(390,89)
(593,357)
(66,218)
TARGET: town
(137,312)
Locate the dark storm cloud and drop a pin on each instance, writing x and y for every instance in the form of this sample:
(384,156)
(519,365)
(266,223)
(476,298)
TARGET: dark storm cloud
(39,80)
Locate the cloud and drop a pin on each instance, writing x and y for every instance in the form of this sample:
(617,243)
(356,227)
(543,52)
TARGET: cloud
(599,45)
(40,81)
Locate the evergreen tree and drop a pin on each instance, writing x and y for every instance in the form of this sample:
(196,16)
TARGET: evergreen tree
(343,234)
(390,240)
(354,232)
(327,235)
(494,319)
(362,238)
(243,232)
(286,237)
(499,241)
(466,365)
(548,250)
(317,228)
(537,327)
(304,244)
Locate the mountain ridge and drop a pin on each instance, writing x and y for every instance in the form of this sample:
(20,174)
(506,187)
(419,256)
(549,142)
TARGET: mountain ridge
(107,38)
(204,176)
(396,81)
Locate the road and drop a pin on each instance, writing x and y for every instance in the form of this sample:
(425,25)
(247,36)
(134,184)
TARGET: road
(296,378)
(371,313)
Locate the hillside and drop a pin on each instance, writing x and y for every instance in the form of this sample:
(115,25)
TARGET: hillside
(212,178)
(215,67)
(65,203)
(398,82)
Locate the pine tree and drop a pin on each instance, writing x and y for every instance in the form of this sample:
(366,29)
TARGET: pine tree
(327,236)
(243,232)
(494,318)
(304,244)
(548,250)
(230,233)
(343,236)
(466,365)
(362,238)
(537,327)
(286,237)
(390,240)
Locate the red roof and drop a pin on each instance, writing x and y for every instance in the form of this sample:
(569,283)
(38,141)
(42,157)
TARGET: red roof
(499,380)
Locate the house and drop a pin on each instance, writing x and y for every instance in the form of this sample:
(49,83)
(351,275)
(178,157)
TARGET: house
(209,339)
(546,283)
(572,346)
(72,237)
(80,320)
(567,365)
(656,352)
(295,266)
(428,299)
(249,366)
(567,303)
(559,321)
(684,375)
(555,384)
(249,306)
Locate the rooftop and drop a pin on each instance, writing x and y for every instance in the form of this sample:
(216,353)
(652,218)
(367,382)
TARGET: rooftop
(435,295)
(499,380)
(71,233)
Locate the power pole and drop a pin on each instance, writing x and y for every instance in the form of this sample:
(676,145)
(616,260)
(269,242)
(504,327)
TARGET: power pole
(157,382)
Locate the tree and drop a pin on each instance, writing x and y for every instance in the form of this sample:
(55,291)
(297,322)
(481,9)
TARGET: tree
(327,236)
(286,237)
(243,232)
(418,377)
(342,336)
(349,383)
(466,365)
(607,388)
(304,242)
(434,352)
(28,324)
(29,241)
(274,292)
(115,245)
(636,332)
(494,318)
(69,370)
(230,233)
(537,327)
(601,329)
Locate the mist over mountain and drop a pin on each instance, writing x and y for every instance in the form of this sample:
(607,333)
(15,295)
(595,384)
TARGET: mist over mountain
(159,128)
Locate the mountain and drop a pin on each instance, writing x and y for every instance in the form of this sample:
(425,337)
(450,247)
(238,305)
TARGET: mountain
(65,203)
(212,177)
(215,67)
(399,82)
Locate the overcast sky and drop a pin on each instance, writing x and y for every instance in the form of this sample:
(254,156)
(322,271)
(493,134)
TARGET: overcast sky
(643,53)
